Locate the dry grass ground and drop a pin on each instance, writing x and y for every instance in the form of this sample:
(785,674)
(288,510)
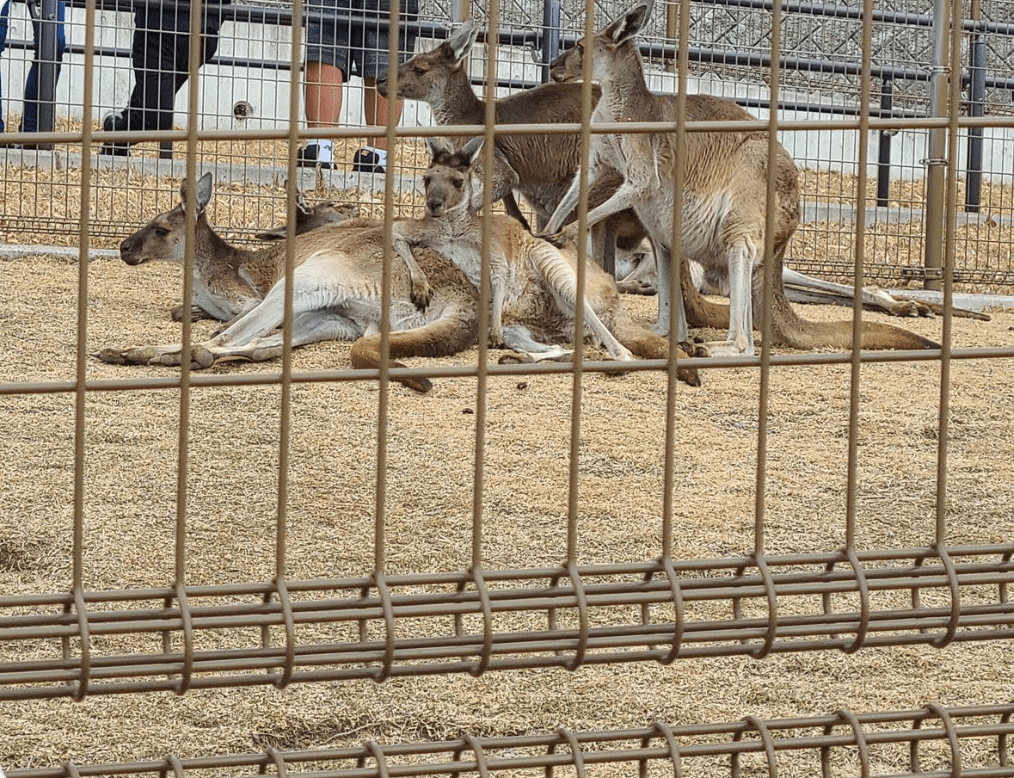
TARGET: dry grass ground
(129,498)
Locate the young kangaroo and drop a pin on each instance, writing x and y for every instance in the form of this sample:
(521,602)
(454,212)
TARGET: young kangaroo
(722,201)
(310,217)
(337,286)
(544,164)
(533,282)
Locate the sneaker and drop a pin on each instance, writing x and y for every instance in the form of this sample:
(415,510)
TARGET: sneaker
(307,157)
(114,122)
(366,161)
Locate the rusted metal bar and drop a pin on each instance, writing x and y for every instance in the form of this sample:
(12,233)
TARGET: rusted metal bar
(775,604)
(659,745)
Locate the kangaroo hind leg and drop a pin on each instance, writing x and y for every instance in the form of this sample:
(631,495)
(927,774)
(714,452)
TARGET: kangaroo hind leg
(561,278)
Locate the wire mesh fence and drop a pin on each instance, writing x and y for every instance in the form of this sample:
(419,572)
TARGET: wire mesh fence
(248,85)
(212,563)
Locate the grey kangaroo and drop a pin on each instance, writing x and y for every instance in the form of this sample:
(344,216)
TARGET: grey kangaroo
(722,202)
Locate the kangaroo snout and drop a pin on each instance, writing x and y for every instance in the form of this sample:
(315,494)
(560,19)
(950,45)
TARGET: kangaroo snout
(381,85)
(128,251)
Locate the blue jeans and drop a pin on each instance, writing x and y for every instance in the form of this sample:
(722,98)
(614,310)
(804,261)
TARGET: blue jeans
(30,114)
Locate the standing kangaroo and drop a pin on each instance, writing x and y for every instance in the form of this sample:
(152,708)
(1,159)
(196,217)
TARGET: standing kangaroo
(723,198)
(533,282)
(337,286)
(541,166)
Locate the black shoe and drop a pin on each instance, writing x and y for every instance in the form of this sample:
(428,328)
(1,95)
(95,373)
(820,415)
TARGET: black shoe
(115,122)
(366,161)
(307,157)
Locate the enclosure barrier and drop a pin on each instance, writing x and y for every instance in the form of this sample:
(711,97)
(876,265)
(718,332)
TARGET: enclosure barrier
(389,625)
(866,743)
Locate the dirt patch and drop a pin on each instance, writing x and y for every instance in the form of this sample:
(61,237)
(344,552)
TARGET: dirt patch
(128,482)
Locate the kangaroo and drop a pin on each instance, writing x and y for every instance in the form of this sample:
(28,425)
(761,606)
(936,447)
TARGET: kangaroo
(544,164)
(337,285)
(229,281)
(722,202)
(533,281)
(310,217)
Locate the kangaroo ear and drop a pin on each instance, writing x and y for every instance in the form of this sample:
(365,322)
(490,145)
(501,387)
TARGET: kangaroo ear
(629,24)
(439,145)
(471,149)
(459,44)
(203,191)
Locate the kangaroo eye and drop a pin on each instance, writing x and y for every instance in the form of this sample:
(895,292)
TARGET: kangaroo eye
(419,71)
(161,231)
(458,183)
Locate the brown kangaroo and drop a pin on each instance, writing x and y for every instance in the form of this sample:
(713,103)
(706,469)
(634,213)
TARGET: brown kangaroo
(722,202)
(533,282)
(544,165)
(337,286)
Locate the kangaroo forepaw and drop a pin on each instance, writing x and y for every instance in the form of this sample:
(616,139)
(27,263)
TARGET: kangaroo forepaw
(637,287)
(421,294)
(196,313)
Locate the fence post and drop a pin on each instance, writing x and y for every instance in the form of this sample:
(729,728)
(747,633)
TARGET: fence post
(976,100)
(884,147)
(550,35)
(460,11)
(936,153)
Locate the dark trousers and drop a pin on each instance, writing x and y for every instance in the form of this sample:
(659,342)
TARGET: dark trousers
(30,113)
(161,57)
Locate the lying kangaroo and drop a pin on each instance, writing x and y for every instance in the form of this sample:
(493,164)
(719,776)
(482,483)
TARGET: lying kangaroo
(337,285)
(533,281)
(543,165)
(229,281)
(310,217)
(723,199)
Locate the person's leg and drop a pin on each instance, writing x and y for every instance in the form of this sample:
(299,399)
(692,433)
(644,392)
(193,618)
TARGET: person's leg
(5,10)
(323,83)
(325,74)
(30,114)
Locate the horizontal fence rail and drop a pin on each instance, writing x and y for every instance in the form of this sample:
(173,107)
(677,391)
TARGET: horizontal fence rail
(468,622)
(869,741)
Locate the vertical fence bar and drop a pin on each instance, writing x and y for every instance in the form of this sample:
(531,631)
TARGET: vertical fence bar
(976,108)
(81,364)
(884,147)
(678,28)
(769,282)
(936,149)
(582,229)
(947,218)
(485,290)
(550,35)
(851,489)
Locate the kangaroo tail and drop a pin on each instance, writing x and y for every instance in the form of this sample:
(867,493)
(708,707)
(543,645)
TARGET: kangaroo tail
(448,335)
(647,345)
(791,331)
